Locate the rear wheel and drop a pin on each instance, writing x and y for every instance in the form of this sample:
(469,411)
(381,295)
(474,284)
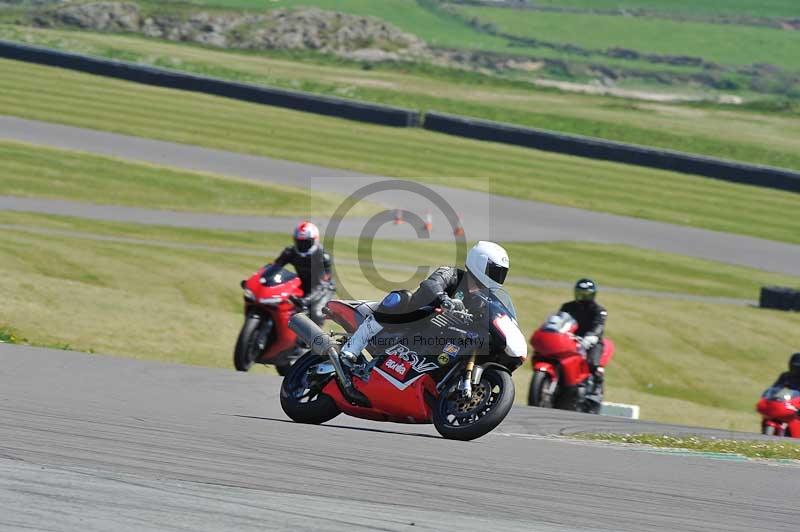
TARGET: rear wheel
(301,392)
(539,393)
(252,342)
(459,418)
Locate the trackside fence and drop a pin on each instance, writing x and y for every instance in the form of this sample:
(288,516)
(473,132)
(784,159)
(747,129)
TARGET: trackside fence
(593,148)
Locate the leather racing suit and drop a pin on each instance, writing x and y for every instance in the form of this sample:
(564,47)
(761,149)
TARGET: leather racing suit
(314,271)
(591,318)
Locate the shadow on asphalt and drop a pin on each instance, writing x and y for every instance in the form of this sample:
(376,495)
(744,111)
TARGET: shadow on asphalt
(345,427)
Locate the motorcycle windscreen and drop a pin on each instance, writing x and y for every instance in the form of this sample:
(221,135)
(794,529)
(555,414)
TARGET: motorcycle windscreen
(274,275)
(781,393)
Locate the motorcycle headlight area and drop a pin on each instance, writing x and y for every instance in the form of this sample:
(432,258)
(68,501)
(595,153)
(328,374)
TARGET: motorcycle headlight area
(249,295)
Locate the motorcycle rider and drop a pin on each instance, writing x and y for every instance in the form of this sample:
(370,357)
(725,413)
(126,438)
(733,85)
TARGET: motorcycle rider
(313,265)
(791,378)
(447,287)
(591,318)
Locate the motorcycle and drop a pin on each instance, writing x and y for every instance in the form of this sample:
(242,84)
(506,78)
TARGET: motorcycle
(562,377)
(456,374)
(270,300)
(779,409)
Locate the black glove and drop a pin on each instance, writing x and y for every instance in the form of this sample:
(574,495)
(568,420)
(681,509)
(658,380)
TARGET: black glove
(449,304)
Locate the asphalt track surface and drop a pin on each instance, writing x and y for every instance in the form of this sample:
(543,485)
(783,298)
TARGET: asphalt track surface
(100,443)
(484,216)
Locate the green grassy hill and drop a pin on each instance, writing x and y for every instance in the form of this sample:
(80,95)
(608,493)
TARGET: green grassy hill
(51,94)
(764,130)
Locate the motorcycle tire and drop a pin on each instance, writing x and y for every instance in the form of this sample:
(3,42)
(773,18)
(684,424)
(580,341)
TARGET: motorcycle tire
(283,369)
(246,352)
(541,381)
(768,430)
(490,415)
(319,408)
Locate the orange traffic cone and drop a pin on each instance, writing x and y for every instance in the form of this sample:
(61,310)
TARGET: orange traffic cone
(459,230)
(398,216)
(428,223)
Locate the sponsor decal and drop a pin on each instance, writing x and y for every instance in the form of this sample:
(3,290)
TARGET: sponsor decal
(443,359)
(403,353)
(397,367)
(451,349)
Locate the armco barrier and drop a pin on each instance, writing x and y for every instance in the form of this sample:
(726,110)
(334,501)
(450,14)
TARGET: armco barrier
(779,297)
(300,101)
(763,176)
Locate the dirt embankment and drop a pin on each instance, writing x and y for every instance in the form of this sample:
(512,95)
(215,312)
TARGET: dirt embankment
(345,35)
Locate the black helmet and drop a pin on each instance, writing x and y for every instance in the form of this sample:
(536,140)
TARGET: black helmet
(585,290)
(794,363)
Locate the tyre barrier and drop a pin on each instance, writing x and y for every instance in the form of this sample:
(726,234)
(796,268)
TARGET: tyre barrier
(593,148)
(779,297)
(161,77)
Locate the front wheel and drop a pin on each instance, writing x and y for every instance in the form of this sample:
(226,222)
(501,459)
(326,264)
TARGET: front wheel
(540,393)
(459,418)
(301,392)
(252,342)
(768,429)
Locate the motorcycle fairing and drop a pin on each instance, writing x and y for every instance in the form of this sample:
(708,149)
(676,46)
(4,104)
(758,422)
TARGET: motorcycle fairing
(349,313)
(608,352)
(516,346)
(279,285)
(388,402)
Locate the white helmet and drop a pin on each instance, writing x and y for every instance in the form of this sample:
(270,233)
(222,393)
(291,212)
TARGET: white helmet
(488,263)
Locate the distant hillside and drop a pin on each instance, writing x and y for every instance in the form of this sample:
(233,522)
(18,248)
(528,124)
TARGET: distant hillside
(736,49)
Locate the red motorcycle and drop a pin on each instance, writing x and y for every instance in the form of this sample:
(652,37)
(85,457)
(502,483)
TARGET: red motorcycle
(779,409)
(450,367)
(270,300)
(562,377)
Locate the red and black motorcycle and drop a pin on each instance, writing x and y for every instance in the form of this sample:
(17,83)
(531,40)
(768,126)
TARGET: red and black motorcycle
(451,368)
(779,408)
(562,377)
(270,300)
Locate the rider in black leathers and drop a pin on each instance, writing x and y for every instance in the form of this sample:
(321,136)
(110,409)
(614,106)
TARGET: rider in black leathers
(791,378)
(591,318)
(313,265)
(447,287)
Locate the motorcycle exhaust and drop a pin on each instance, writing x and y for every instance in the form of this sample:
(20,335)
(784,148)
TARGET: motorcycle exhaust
(311,334)
(322,345)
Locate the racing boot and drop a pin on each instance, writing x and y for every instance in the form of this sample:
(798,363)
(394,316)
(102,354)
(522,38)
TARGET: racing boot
(351,350)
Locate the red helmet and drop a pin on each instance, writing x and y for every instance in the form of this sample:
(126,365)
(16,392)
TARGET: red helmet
(306,238)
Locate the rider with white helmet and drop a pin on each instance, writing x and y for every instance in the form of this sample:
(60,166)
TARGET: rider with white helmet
(486,268)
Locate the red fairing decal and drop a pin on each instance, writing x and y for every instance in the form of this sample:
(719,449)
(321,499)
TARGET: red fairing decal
(397,367)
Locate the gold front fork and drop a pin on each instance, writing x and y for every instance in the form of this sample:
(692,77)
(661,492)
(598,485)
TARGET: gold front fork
(465,386)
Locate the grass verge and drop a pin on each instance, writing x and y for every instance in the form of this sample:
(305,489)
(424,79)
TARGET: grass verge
(617,266)
(34,171)
(723,44)
(777,449)
(51,94)
(182,304)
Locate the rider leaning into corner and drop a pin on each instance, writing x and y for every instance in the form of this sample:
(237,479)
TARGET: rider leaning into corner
(313,265)
(447,287)
(591,318)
